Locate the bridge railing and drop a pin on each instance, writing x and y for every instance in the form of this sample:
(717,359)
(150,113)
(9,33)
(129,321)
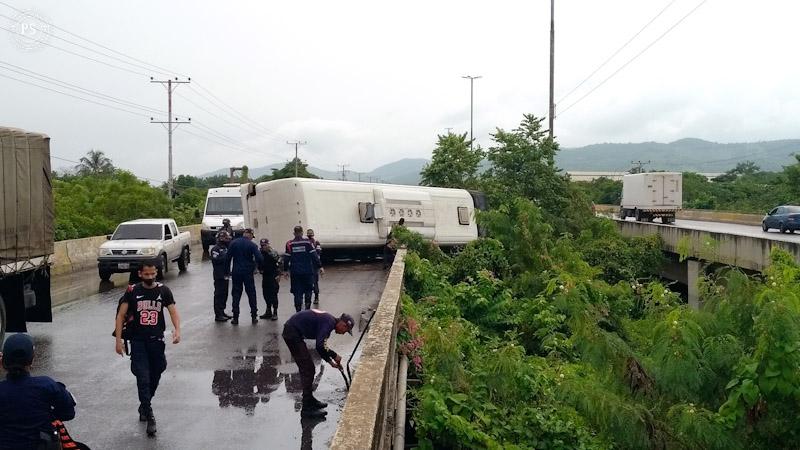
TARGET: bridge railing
(367,420)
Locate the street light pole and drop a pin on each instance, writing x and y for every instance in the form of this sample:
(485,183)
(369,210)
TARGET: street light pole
(552,114)
(471,95)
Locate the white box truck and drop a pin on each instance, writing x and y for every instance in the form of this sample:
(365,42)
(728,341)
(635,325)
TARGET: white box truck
(646,196)
(352,219)
(26,229)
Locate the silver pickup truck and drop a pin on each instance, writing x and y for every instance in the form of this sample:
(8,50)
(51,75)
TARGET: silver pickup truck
(137,241)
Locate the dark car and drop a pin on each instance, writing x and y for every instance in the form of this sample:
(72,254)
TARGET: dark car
(784,218)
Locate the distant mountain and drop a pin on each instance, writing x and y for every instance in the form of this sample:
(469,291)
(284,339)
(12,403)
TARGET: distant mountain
(684,155)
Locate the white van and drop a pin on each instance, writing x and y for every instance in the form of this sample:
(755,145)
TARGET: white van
(351,218)
(221,203)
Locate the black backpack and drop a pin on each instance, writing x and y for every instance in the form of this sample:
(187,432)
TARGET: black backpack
(127,324)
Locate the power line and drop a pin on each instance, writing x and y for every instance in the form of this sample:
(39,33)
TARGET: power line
(171,85)
(165,71)
(74,96)
(231,110)
(616,52)
(634,57)
(44,78)
(78,54)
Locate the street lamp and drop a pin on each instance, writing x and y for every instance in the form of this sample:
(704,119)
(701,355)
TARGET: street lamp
(471,91)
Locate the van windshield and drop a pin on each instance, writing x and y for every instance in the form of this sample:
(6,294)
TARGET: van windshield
(138,231)
(224,206)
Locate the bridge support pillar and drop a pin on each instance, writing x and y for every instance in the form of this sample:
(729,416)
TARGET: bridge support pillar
(694,271)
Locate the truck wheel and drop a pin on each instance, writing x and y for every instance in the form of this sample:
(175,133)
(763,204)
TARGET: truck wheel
(163,269)
(2,321)
(638,215)
(105,275)
(622,213)
(183,260)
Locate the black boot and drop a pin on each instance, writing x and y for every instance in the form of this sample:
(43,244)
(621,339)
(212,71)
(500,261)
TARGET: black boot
(151,425)
(144,411)
(314,403)
(235,321)
(254,318)
(275,314)
(308,305)
(221,319)
(311,412)
(316,300)
(266,315)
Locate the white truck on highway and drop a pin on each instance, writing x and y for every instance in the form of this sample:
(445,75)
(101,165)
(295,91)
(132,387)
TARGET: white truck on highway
(26,229)
(137,241)
(646,196)
(221,203)
(352,219)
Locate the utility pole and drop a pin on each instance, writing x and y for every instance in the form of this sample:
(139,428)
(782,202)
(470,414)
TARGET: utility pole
(296,160)
(552,114)
(359,176)
(344,172)
(640,166)
(471,92)
(448,130)
(171,123)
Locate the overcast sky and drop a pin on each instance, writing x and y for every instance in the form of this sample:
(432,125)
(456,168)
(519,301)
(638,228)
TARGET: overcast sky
(368,82)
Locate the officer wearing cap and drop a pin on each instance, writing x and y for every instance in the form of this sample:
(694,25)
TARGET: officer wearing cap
(317,325)
(246,257)
(221,275)
(29,405)
(270,281)
(301,261)
(318,270)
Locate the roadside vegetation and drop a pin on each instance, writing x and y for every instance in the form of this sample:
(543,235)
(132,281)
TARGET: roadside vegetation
(554,332)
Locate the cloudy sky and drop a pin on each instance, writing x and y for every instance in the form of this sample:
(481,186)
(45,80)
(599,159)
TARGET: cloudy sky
(366,82)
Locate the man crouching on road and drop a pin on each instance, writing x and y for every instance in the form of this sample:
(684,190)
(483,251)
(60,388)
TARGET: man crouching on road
(314,324)
(142,308)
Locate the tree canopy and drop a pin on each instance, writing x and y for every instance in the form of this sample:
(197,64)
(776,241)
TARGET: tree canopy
(454,164)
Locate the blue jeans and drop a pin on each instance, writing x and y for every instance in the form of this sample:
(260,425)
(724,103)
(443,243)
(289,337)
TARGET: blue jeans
(148,362)
(246,280)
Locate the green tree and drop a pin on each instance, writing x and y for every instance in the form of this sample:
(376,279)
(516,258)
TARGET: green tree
(287,171)
(454,164)
(95,163)
(523,165)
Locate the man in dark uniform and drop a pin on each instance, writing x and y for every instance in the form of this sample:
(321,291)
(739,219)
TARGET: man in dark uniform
(222,274)
(317,325)
(226,226)
(246,258)
(301,260)
(28,405)
(146,302)
(270,281)
(318,270)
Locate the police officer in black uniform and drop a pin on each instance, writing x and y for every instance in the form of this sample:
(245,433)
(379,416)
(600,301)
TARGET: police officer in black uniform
(28,405)
(270,282)
(222,275)
(226,226)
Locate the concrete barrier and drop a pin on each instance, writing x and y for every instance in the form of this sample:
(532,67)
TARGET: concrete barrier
(704,215)
(367,420)
(75,255)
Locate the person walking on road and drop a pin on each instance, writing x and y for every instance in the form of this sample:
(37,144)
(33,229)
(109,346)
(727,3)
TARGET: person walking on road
(317,325)
(222,275)
(246,258)
(300,261)
(318,270)
(29,405)
(142,309)
(270,281)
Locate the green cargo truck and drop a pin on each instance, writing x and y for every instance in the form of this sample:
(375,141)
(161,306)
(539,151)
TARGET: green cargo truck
(26,229)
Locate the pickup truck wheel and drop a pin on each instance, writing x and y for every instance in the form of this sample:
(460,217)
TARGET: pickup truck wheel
(163,269)
(183,260)
(104,275)
(2,321)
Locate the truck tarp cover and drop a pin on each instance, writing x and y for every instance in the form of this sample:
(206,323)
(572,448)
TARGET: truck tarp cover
(26,199)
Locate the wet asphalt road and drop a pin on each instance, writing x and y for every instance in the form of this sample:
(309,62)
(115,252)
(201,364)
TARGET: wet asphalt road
(225,386)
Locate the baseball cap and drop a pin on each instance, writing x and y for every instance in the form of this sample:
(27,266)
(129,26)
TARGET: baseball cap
(348,319)
(18,350)
(264,241)
(248,231)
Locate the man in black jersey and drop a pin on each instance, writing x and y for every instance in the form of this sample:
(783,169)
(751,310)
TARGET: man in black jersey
(145,302)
